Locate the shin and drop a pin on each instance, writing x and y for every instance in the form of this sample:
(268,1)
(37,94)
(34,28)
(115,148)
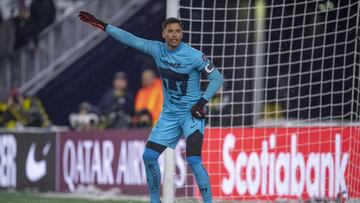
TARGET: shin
(152,169)
(193,157)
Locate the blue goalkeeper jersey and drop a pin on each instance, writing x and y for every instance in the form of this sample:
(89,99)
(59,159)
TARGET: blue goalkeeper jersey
(180,73)
(179,70)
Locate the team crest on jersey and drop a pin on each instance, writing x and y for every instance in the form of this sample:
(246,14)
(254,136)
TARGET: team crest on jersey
(204,57)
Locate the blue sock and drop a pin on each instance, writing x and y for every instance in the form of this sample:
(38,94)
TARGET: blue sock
(201,177)
(152,170)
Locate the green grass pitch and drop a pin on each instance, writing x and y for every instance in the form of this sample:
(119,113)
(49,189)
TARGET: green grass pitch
(30,197)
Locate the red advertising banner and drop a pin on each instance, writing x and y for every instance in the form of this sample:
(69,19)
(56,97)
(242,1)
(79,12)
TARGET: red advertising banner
(111,159)
(281,163)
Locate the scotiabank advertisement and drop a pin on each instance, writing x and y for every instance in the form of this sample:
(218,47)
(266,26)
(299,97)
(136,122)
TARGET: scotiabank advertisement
(112,159)
(279,163)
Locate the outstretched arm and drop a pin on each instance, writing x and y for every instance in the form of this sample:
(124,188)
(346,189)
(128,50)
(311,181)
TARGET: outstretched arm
(128,38)
(119,34)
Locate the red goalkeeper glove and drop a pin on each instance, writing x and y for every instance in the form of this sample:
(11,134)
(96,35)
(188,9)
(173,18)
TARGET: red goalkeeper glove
(92,20)
(198,110)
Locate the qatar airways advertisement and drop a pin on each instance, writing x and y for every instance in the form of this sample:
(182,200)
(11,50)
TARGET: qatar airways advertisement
(278,163)
(112,159)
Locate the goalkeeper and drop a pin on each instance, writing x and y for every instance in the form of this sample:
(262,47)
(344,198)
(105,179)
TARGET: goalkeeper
(183,112)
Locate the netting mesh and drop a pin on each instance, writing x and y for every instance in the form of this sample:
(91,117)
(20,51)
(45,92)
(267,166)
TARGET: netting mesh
(309,69)
(289,65)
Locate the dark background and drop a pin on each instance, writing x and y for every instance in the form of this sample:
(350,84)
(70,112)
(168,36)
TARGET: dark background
(311,68)
(89,77)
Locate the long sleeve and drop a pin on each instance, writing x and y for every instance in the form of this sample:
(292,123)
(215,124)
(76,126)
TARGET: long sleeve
(216,80)
(129,39)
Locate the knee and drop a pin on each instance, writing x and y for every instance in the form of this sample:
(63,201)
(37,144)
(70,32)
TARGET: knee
(150,155)
(194,144)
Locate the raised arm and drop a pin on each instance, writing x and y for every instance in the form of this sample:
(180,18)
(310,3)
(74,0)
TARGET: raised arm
(119,34)
(128,38)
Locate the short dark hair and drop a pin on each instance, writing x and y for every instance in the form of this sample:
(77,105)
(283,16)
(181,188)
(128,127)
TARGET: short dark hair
(171,20)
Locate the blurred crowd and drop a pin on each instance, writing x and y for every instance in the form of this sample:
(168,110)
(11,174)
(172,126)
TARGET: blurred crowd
(20,111)
(119,108)
(24,24)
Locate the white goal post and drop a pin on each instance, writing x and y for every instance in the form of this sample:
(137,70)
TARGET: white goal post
(172,9)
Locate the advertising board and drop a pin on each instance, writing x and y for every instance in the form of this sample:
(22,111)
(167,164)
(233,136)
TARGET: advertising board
(111,159)
(27,160)
(272,163)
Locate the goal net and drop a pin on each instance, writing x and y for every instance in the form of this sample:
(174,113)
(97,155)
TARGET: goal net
(285,123)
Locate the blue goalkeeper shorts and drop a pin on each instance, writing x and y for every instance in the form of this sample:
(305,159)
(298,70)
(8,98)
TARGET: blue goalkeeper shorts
(170,127)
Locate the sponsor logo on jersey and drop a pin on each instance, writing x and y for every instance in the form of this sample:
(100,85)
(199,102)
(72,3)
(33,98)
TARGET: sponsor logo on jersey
(174,65)
(204,57)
